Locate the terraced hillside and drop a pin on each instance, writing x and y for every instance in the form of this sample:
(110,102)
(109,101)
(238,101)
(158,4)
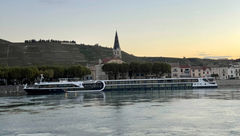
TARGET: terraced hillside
(13,54)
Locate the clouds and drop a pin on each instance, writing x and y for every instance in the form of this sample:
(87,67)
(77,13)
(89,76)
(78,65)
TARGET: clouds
(217,57)
(205,55)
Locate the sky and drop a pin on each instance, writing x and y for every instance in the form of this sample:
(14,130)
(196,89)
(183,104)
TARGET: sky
(163,28)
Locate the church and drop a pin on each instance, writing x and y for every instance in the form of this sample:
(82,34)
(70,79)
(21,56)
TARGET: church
(97,72)
(117,54)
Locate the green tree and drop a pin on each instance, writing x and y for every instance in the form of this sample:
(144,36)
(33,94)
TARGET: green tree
(157,69)
(166,68)
(123,69)
(112,69)
(134,68)
(48,74)
(146,68)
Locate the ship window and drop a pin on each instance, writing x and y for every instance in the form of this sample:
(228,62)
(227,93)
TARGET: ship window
(66,85)
(182,80)
(37,86)
(205,80)
(194,80)
(211,79)
(169,81)
(153,81)
(177,81)
(160,81)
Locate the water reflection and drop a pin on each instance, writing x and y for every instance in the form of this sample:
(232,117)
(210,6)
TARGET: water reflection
(18,104)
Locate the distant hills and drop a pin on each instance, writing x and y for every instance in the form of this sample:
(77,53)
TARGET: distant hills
(3,41)
(56,53)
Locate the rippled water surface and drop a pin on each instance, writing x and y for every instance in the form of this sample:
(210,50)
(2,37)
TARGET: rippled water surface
(137,113)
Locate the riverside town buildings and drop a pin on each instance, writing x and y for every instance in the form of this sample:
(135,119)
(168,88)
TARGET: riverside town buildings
(231,72)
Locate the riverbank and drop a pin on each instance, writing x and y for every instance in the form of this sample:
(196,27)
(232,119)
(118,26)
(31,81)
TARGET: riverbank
(228,83)
(12,90)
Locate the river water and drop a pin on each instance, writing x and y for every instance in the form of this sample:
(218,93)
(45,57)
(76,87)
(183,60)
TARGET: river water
(202,112)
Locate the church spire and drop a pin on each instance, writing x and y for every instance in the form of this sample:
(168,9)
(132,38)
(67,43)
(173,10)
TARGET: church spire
(116,48)
(116,42)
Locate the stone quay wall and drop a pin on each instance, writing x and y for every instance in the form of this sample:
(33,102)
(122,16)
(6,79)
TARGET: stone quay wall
(11,90)
(228,83)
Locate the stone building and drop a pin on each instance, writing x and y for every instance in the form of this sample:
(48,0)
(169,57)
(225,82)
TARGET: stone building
(234,72)
(200,72)
(180,71)
(189,71)
(220,72)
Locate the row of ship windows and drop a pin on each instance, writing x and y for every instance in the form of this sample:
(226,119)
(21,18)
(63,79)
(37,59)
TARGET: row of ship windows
(152,81)
(149,86)
(54,86)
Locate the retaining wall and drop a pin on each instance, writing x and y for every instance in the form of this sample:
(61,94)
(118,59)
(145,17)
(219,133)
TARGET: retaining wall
(11,90)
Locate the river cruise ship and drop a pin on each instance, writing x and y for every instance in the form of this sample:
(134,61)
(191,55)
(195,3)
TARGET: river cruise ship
(160,84)
(64,86)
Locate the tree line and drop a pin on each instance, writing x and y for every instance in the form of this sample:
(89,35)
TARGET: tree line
(134,70)
(31,74)
(48,41)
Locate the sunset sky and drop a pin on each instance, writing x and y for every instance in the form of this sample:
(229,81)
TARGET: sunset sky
(168,28)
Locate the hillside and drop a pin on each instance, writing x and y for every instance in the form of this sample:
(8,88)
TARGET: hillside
(4,41)
(37,53)
(18,54)
(190,61)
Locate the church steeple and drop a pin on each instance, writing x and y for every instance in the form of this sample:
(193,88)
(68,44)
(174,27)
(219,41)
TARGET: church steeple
(116,42)
(116,48)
